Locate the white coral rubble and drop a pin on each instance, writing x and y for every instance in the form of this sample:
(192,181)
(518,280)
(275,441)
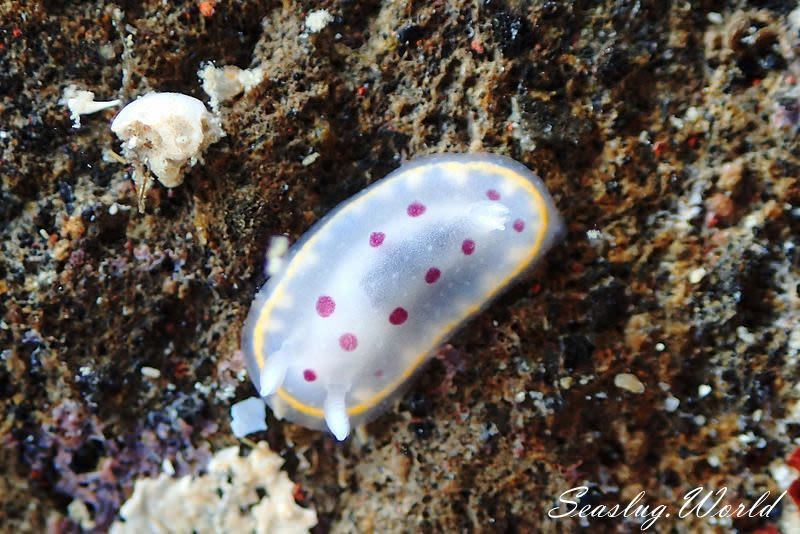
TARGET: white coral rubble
(167,133)
(224,83)
(226,499)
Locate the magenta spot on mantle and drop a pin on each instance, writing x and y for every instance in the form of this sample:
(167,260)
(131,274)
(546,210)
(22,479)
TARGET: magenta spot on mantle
(468,246)
(348,342)
(415,209)
(432,275)
(398,316)
(325,306)
(309,375)
(492,194)
(376,239)
(519,225)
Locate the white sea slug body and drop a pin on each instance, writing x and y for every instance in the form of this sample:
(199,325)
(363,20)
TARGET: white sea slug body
(373,289)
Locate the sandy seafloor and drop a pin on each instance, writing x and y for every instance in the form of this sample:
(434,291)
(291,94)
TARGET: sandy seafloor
(666,131)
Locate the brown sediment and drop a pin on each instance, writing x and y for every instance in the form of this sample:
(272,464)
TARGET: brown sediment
(667,131)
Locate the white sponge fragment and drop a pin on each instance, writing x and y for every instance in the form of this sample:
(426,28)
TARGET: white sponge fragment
(166,132)
(81,102)
(248,416)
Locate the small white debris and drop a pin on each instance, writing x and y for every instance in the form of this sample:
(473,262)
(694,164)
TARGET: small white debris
(276,254)
(594,235)
(311,158)
(150,372)
(520,397)
(700,420)
(696,275)
(248,416)
(167,467)
(714,17)
(660,347)
(167,132)
(82,102)
(749,437)
(703,390)
(752,221)
(317,20)
(676,122)
(565,382)
(224,83)
(745,335)
(782,474)
(713,461)
(671,403)
(794,19)
(794,339)
(629,382)
(692,114)
(78,512)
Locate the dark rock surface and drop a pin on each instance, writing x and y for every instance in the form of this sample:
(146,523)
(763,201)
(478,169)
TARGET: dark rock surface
(667,132)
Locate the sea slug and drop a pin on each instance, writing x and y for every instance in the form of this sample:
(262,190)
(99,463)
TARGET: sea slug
(372,290)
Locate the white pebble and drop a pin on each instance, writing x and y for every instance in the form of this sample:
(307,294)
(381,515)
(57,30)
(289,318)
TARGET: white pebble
(167,467)
(248,416)
(794,339)
(700,420)
(671,404)
(697,275)
(150,372)
(744,334)
(629,382)
(703,390)
(311,158)
(317,20)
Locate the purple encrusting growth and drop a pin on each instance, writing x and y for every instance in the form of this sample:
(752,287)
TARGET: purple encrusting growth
(371,292)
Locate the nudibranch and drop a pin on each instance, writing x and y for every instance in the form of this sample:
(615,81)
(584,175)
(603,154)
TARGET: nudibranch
(371,291)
